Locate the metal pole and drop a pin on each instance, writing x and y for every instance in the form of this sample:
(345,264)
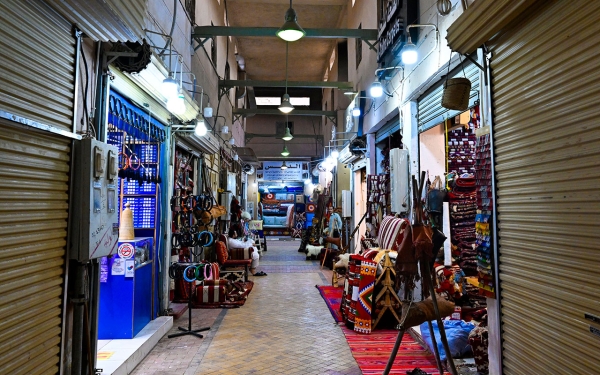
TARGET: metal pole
(390,363)
(439,319)
(78,316)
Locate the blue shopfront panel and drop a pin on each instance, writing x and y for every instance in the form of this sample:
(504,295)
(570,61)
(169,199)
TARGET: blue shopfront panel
(125,299)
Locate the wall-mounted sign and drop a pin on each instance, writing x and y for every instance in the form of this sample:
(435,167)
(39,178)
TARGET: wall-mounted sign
(272,171)
(396,15)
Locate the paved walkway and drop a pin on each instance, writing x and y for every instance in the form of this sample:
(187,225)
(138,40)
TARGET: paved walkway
(284,328)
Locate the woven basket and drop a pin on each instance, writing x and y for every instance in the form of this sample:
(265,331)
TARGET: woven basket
(456,94)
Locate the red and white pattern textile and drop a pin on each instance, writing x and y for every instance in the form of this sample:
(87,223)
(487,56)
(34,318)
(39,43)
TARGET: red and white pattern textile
(391,232)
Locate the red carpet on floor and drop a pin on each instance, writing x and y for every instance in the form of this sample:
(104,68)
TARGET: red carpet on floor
(371,351)
(333,298)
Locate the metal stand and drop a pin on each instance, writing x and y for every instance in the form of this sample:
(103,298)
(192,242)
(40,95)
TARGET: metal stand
(433,340)
(189,330)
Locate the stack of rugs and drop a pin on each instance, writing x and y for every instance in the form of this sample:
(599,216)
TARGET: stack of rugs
(378,194)
(463,210)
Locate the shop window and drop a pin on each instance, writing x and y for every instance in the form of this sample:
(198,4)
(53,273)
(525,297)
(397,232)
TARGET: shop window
(358,49)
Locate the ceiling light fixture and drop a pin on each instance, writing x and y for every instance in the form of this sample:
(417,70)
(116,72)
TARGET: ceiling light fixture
(285,151)
(169,87)
(409,51)
(176,104)
(291,31)
(335,153)
(284,166)
(356,112)
(287,136)
(200,129)
(286,106)
(376,89)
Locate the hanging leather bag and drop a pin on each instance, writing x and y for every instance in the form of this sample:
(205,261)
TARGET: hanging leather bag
(436,196)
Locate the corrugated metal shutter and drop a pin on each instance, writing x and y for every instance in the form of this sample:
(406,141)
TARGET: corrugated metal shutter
(36,64)
(110,20)
(547,147)
(387,130)
(430,110)
(34,173)
(481,21)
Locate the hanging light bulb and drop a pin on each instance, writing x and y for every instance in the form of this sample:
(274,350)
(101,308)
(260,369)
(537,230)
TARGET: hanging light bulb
(291,31)
(200,129)
(376,89)
(285,151)
(335,153)
(176,104)
(286,106)
(355,112)
(170,89)
(409,52)
(284,166)
(287,136)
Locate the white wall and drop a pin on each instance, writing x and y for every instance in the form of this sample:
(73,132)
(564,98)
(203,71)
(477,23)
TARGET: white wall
(432,151)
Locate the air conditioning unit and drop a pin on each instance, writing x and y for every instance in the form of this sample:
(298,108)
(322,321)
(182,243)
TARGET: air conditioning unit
(346,156)
(346,203)
(400,180)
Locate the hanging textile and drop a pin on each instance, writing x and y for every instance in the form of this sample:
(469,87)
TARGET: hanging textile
(483,175)
(378,193)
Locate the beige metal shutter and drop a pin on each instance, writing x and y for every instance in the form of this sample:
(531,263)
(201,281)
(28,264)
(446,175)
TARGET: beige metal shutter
(36,64)
(546,96)
(429,106)
(34,170)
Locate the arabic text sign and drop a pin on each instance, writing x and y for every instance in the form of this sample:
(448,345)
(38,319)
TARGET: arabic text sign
(272,171)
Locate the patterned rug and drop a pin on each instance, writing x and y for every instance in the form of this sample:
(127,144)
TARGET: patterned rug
(371,351)
(333,297)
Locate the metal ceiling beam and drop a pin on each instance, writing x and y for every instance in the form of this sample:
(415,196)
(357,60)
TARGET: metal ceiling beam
(203,32)
(295,112)
(303,84)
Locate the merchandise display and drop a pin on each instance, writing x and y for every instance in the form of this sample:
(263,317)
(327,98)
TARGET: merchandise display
(485,204)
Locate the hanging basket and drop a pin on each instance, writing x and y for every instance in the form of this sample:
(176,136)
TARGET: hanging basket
(456,94)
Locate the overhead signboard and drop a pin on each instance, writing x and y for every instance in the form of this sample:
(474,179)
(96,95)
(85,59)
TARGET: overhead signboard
(272,171)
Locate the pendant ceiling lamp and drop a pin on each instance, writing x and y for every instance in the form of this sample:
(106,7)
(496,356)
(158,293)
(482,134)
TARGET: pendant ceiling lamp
(285,151)
(288,135)
(200,129)
(284,166)
(286,106)
(291,31)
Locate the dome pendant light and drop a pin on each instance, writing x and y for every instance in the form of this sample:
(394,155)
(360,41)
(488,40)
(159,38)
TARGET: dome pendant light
(287,136)
(284,166)
(285,151)
(291,31)
(286,106)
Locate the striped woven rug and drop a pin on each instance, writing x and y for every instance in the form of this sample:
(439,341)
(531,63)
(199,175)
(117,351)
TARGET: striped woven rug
(372,351)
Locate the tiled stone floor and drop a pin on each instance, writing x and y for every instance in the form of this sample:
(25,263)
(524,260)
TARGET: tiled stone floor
(284,328)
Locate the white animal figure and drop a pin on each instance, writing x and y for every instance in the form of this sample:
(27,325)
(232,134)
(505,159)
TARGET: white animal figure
(342,262)
(312,252)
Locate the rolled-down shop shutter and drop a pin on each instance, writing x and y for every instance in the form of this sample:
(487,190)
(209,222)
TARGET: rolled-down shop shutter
(430,110)
(36,64)
(34,173)
(36,88)
(388,129)
(546,94)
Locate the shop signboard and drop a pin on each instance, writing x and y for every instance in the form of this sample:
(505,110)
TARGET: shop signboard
(272,171)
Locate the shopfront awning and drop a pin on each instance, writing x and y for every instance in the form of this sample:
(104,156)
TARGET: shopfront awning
(481,21)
